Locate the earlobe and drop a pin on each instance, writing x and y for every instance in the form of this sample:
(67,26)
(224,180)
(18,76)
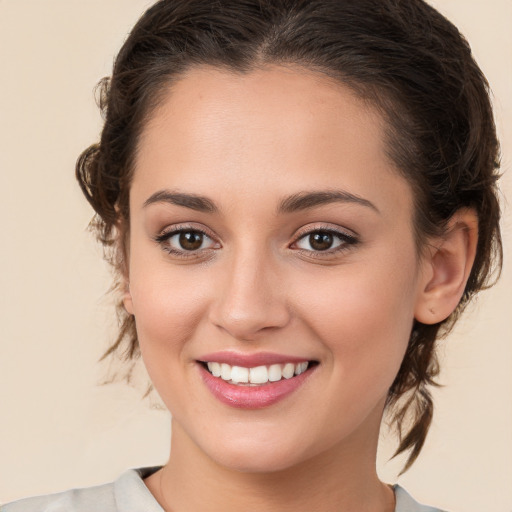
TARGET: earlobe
(123,245)
(127,298)
(448,262)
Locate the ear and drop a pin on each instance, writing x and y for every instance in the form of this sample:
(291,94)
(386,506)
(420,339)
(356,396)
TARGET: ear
(447,263)
(127,297)
(124,249)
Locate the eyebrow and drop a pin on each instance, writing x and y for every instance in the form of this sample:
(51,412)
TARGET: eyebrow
(296,202)
(305,200)
(192,201)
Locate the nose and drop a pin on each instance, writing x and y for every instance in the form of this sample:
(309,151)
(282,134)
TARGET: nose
(251,300)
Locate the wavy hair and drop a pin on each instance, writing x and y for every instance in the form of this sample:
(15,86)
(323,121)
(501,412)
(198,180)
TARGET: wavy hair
(402,56)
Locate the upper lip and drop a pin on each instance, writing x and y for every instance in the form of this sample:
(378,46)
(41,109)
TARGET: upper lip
(251,360)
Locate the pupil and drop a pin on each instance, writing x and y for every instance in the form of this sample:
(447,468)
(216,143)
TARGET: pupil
(191,240)
(320,241)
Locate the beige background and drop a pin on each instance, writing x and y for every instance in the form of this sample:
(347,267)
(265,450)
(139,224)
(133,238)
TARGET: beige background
(58,428)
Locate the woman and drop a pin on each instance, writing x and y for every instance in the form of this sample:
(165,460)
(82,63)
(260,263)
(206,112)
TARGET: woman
(299,198)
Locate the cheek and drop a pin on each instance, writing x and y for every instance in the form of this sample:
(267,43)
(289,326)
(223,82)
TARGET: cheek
(364,324)
(168,307)
(363,316)
(168,304)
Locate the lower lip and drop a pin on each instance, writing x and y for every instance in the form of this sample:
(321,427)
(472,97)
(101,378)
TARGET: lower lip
(253,397)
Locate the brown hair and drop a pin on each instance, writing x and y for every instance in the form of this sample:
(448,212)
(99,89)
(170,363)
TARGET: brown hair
(401,55)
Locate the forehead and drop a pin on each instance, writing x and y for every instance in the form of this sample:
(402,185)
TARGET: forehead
(273,128)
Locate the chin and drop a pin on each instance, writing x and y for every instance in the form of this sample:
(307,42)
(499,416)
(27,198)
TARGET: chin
(249,456)
(261,463)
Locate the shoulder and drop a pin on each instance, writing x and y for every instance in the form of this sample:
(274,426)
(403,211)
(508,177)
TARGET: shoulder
(92,498)
(128,493)
(406,503)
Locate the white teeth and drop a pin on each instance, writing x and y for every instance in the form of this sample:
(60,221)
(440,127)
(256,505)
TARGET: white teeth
(275,373)
(214,369)
(288,370)
(301,368)
(225,371)
(258,374)
(239,374)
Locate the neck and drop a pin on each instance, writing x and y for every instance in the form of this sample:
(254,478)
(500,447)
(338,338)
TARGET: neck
(343,479)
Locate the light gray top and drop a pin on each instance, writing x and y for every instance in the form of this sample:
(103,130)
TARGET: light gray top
(129,494)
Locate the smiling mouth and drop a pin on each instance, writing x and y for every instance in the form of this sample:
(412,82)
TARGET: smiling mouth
(258,375)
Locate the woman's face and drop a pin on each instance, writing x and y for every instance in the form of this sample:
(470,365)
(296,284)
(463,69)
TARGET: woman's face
(268,227)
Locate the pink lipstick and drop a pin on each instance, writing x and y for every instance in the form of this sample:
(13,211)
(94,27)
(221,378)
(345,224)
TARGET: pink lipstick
(253,381)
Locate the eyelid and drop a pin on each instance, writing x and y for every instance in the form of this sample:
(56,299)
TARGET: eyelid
(185,226)
(348,238)
(330,228)
(169,231)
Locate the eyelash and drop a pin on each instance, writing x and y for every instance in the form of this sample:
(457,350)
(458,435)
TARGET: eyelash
(164,238)
(346,241)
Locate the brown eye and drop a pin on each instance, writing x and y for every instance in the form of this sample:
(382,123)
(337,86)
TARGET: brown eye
(185,241)
(191,240)
(325,240)
(321,241)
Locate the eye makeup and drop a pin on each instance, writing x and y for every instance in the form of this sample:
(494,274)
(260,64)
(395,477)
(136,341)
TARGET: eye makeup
(190,241)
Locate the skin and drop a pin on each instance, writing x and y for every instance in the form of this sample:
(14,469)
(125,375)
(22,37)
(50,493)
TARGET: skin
(246,142)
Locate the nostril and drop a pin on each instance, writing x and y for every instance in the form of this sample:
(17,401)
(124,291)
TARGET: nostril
(249,323)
